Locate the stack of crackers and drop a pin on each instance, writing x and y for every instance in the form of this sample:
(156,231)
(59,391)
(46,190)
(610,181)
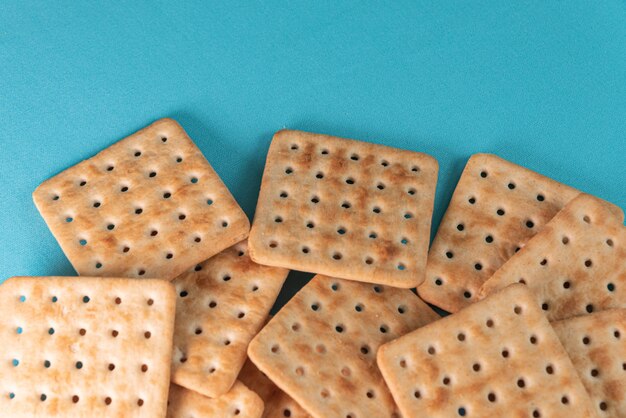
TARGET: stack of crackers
(169,316)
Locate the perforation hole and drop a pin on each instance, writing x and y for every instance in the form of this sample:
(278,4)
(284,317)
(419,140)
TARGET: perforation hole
(339,328)
(111,367)
(530,224)
(319,175)
(411,191)
(432,351)
(505,353)
(124,189)
(358,307)
(167,195)
(306,250)
(75,399)
(564,400)
(380,186)
(384,163)
(449,254)
(408,215)
(521,383)
(467,294)
(350,181)
(478,266)
(543,262)
(96,204)
(549,369)
(354,157)
(491,397)
(417,394)
(346,205)
(533,340)
(603,406)
(489,323)
(147,335)
(483,174)
(545,306)
(376,209)
(273,244)
(609,242)
(460,336)
(566,285)
(108,401)
(446,380)
(365,349)
(401,309)
(341,231)
(594,373)
(488,239)
(460,227)
(586,219)
(438,282)
(500,212)
(383,329)
(315,200)
(461,411)
(565,240)
(43,397)
(588,263)
(337,256)
(541,197)
(369,260)
(325,152)
(315,307)
(79,365)
(536,413)
(476,367)
(144,367)
(589,308)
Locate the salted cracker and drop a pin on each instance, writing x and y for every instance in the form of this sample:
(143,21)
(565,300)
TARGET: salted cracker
(277,403)
(576,264)
(148,206)
(320,348)
(239,402)
(596,344)
(498,357)
(496,207)
(345,208)
(222,304)
(85,347)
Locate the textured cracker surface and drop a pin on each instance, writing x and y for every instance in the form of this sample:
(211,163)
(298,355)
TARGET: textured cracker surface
(140,208)
(222,304)
(310,218)
(473,239)
(496,358)
(239,402)
(277,403)
(320,348)
(596,344)
(68,356)
(576,264)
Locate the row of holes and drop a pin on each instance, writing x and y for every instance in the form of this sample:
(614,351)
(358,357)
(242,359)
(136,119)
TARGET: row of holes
(79,365)
(510,185)
(87,299)
(139,210)
(353,157)
(338,256)
(342,230)
(75,399)
(83,332)
(125,188)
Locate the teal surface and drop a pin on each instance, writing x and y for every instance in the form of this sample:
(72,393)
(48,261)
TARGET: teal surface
(540,83)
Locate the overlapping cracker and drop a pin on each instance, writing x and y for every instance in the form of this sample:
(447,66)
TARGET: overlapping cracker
(239,402)
(222,304)
(496,358)
(277,403)
(345,208)
(148,206)
(596,344)
(496,207)
(576,264)
(320,348)
(85,347)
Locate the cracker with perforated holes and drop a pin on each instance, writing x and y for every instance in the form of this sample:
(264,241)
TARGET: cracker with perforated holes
(345,208)
(576,264)
(596,345)
(498,357)
(320,348)
(222,304)
(277,403)
(85,347)
(496,207)
(148,206)
(238,402)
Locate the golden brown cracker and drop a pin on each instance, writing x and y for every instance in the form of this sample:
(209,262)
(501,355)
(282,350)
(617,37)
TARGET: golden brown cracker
(496,207)
(320,348)
(596,344)
(576,264)
(345,208)
(148,206)
(85,347)
(222,304)
(498,357)
(238,402)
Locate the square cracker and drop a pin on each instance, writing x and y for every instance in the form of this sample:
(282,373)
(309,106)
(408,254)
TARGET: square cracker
(345,208)
(498,357)
(239,402)
(85,347)
(595,343)
(222,304)
(277,403)
(320,348)
(148,206)
(496,207)
(576,264)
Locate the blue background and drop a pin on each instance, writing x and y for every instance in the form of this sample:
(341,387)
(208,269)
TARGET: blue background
(540,83)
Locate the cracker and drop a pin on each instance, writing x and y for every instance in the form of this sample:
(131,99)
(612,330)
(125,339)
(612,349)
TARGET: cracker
(496,207)
(320,348)
(85,347)
(345,208)
(239,401)
(222,304)
(498,357)
(148,206)
(576,264)
(277,403)
(595,343)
